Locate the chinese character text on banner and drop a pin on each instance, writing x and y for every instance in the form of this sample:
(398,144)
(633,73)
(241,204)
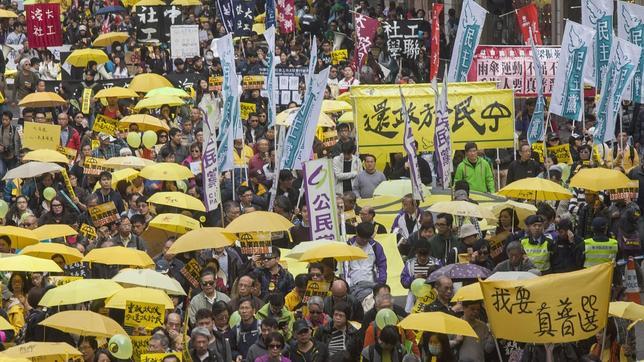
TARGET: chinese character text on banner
(44,25)
(467,38)
(598,15)
(319,188)
(630,26)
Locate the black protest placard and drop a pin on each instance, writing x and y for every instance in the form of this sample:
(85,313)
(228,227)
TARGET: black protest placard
(149,23)
(244,17)
(403,39)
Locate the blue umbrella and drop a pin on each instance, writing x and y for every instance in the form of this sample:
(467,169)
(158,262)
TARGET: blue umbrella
(111,9)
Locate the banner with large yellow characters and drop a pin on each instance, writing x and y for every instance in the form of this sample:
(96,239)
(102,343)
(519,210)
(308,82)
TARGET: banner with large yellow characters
(477,112)
(556,308)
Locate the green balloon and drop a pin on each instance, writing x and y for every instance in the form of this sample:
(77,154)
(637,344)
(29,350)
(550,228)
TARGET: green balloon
(419,288)
(149,139)
(134,139)
(386,317)
(181,185)
(4,208)
(234,320)
(120,346)
(49,193)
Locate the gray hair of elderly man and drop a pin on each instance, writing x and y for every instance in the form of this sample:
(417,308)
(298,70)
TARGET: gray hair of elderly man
(200,331)
(315,300)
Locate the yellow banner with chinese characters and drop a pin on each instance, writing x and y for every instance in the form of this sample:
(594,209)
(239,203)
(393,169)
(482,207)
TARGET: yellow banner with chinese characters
(562,152)
(532,311)
(477,112)
(37,136)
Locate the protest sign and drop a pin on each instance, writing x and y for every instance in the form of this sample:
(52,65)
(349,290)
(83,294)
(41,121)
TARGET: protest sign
(78,269)
(475,113)
(62,280)
(139,346)
(158,357)
(597,15)
(225,9)
(86,100)
(402,37)
(149,23)
(467,39)
(94,166)
(147,315)
(528,21)
(192,272)
(246,109)
(286,16)
(434,59)
(271,80)
(424,301)
(365,30)
(210,174)
(105,124)
(70,153)
(442,137)
(252,82)
(319,188)
(184,41)
(37,136)
(68,183)
(409,145)
(171,17)
(532,311)
(313,288)
(630,26)
(338,56)
(214,83)
(44,28)
(88,231)
(537,125)
(244,17)
(103,214)
(255,243)
(562,152)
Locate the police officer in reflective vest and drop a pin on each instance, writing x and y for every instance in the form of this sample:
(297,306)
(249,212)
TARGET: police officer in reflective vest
(600,248)
(538,247)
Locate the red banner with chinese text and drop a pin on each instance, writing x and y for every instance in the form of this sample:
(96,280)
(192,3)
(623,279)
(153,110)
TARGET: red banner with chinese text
(286,16)
(528,17)
(43,25)
(365,31)
(434,57)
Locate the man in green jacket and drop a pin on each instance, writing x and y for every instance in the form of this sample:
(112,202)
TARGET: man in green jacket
(475,170)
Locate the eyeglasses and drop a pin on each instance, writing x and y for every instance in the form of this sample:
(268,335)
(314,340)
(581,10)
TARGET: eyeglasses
(275,346)
(211,283)
(56,205)
(315,275)
(315,312)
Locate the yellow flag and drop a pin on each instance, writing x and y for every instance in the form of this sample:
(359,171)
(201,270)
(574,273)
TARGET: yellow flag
(555,308)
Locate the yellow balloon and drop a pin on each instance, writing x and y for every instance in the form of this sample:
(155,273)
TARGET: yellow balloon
(149,139)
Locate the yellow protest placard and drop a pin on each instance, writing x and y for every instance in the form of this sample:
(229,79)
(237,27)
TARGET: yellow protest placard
(562,152)
(139,346)
(95,144)
(338,56)
(424,301)
(215,83)
(556,308)
(41,135)
(86,100)
(192,272)
(255,242)
(62,280)
(246,108)
(94,166)
(313,288)
(105,124)
(103,214)
(158,357)
(477,112)
(70,153)
(253,81)
(148,315)
(68,183)
(88,231)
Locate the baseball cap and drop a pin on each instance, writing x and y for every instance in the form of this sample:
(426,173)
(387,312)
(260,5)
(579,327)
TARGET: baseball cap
(103,136)
(300,326)
(467,230)
(553,136)
(460,195)
(162,266)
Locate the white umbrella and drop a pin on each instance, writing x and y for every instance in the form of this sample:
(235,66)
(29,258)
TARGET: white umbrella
(512,275)
(31,169)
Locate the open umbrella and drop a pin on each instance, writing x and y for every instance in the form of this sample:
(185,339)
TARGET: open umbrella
(124,162)
(522,209)
(337,250)
(6,14)
(31,169)
(285,118)
(258,221)
(139,294)
(158,102)
(177,199)
(167,92)
(346,117)
(116,92)
(176,223)
(334,106)
(146,82)
(26,263)
(396,188)
(459,272)
(345,97)
(535,189)
(47,250)
(166,171)
(438,322)
(186,2)
(107,39)
(46,155)
(199,239)
(20,237)
(145,122)
(598,179)
(150,279)
(144,3)
(512,275)
(42,100)
(111,9)
(80,291)
(84,323)
(462,208)
(119,255)
(42,351)
(52,231)
(300,248)
(80,57)
(627,310)
(468,292)
(126,174)
(5,325)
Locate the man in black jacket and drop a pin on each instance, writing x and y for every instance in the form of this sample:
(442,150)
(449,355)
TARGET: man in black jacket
(524,167)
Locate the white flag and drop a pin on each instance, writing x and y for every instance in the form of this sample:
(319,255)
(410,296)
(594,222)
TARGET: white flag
(598,15)
(630,26)
(409,144)
(467,39)
(269,34)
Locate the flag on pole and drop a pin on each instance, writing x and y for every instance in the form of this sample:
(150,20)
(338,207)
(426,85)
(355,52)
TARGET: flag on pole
(230,92)
(630,26)
(210,175)
(568,90)
(286,16)
(270,14)
(442,137)
(624,57)
(269,34)
(434,58)
(313,60)
(365,31)
(225,8)
(467,39)
(409,144)
(528,20)
(537,128)
(598,15)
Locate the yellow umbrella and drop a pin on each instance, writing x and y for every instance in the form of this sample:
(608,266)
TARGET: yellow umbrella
(186,2)
(535,189)
(522,209)
(47,250)
(26,263)
(177,199)
(20,237)
(300,248)
(158,102)
(145,82)
(258,221)
(116,92)
(468,292)
(42,100)
(45,155)
(5,14)
(166,171)
(84,323)
(627,310)
(345,97)
(150,279)
(396,188)
(199,239)
(53,231)
(259,28)
(598,179)
(5,325)
(126,174)
(462,208)
(285,118)
(58,351)
(438,322)
(176,223)
(145,122)
(336,250)
(107,39)
(167,91)
(144,3)
(13,359)
(139,294)
(80,57)
(31,169)
(334,106)
(119,255)
(80,291)
(125,162)
(346,117)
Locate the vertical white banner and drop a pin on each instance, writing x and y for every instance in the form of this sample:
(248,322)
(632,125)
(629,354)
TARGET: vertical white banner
(630,26)
(467,39)
(598,15)
(409,144)
(319,187)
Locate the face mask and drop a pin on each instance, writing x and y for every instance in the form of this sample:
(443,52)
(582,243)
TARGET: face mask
(434,350)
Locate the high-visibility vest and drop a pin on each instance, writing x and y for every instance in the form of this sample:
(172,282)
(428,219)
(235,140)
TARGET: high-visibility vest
(538,254)
(597,252)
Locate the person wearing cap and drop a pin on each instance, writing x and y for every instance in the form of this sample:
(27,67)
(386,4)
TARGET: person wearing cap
(566,246)
(475,170)
(553,139)
(575,141)
(524,167)
(467,235)
(600,248)
(537,246)
(593,207)
(303,348)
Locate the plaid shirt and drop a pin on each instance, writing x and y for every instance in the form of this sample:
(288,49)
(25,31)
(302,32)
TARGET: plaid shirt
(109,151)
